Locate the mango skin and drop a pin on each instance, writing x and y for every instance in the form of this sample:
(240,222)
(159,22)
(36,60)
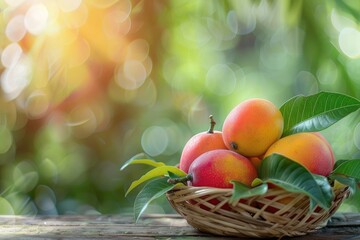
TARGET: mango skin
(308,149)
(217,168)
(199,144)
(252,126)
(328,144)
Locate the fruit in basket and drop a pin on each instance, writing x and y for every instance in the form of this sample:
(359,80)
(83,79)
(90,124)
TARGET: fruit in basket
(328,144)
(252,126)
(199,144)
(280,188)
(256,161)
(310,149)
(217,168)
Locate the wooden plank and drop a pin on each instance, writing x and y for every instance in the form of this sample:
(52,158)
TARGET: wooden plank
(341,226)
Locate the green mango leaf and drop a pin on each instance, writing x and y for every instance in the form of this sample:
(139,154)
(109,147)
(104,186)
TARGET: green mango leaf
(352,183)
(316,112)
(243,191)
(156,172)
(347,172)
(141,158)
(350,168)
(256,182)
(293,177)
(173,175)
(339,162)
(324,185)
(152,190)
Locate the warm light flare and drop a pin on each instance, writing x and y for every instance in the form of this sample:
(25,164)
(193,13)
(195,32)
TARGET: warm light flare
(36,19)
(63,54)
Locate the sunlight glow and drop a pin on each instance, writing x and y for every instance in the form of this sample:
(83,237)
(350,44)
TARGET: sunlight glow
(132,75)
(15,29)
(16,78)
(36,19)
(14,3)
(11,55)
(69,5)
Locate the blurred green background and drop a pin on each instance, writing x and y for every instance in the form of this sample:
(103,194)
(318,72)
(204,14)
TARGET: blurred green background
(87,84)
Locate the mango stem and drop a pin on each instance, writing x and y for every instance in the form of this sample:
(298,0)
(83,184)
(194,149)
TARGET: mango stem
(182,180)
(212,124)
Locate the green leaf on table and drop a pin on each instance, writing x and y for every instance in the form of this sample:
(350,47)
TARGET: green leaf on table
(316,112)
(152,190)
(142,158)
(156,172)
(243,191)
(293,177)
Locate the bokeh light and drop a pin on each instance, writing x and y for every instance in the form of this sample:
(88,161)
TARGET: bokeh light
(36,18)
(15,29)
(5,207)
(221,80)
(349,39)
(87,84)
(6,140)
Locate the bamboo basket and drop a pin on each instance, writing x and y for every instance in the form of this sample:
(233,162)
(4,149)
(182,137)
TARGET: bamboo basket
(277,213)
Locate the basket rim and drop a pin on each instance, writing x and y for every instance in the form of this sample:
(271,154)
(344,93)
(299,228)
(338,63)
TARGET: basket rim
(214,190)
(191,191)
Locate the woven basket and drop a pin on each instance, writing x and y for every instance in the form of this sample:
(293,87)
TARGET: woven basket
(277,213)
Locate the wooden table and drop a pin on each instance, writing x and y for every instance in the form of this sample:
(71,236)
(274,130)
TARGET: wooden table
(341,226)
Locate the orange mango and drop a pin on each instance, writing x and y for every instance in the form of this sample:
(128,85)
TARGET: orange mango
(252,126)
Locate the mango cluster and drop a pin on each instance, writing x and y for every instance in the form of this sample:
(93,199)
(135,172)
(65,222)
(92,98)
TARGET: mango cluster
(251,131)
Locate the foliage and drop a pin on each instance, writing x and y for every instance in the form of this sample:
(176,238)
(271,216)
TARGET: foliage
(318,111)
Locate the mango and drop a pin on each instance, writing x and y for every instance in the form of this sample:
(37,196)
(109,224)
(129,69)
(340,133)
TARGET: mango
(252,127)
(217,168)
(309,149)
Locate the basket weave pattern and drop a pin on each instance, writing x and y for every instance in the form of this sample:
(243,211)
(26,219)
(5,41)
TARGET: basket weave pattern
(275,214)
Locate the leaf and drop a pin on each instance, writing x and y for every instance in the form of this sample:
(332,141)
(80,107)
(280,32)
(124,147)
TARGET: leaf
(152,190)
(293,177)
(338,162)
(156,172)
(141,158)
(316,112)
(350,168)
(243,191)
(256,182)
(173,175)
(324,185)
(347,172)
(350,182)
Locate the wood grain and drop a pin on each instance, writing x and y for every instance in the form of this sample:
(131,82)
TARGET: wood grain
(155,226)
